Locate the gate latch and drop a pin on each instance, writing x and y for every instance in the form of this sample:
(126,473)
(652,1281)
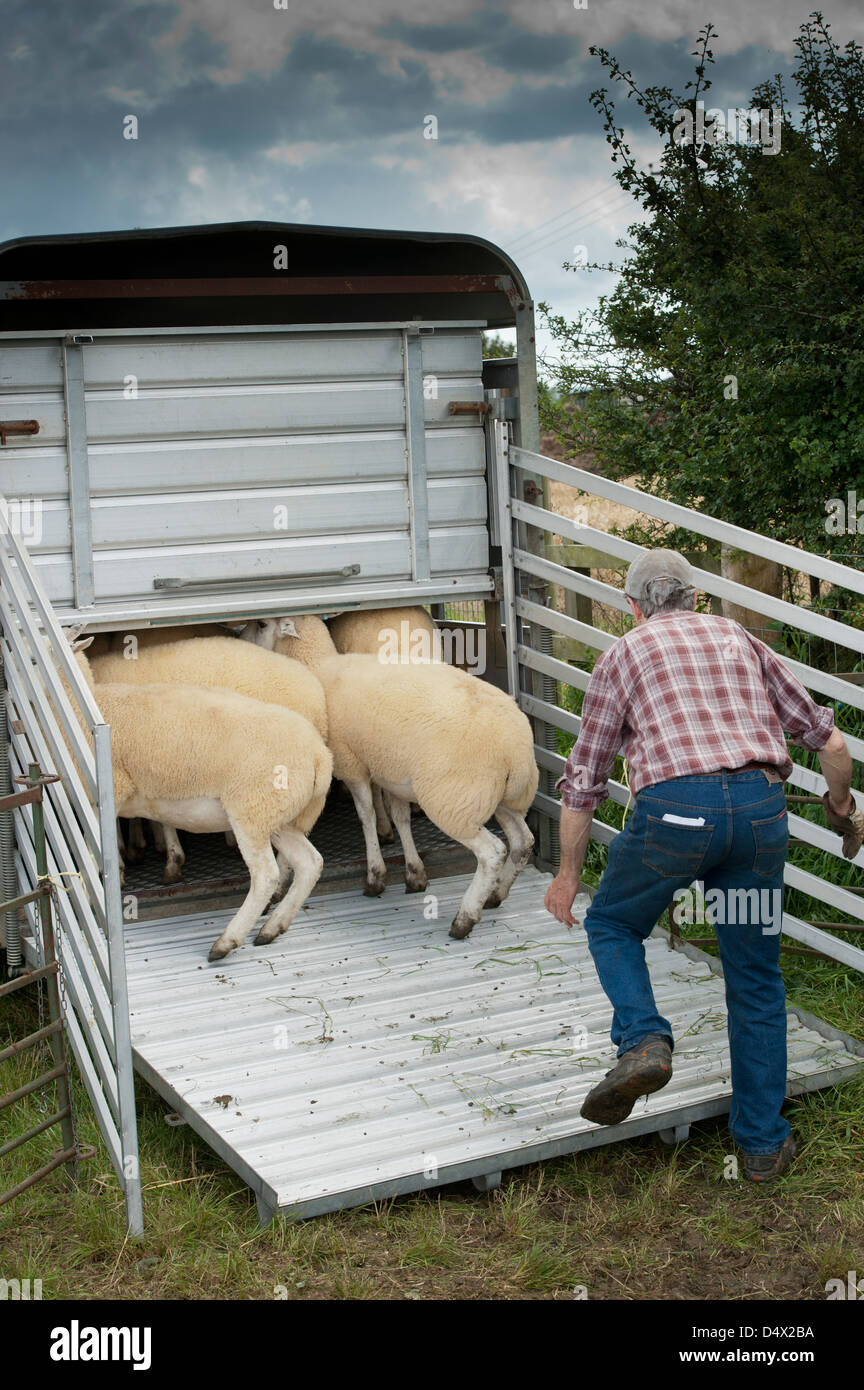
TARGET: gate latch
(17,427)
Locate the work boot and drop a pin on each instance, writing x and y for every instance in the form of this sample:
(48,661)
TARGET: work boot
(643,1069)
(767,1167)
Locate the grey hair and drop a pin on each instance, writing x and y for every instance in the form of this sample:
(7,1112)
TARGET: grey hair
(665,596)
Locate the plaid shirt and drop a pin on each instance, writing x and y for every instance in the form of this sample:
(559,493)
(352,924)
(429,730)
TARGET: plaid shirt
(685,693)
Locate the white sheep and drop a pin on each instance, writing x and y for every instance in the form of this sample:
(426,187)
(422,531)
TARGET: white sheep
(393,635)
(433,734)
(209,760)
(218,662)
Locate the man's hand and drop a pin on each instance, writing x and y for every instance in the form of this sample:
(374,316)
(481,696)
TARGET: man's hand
(559,898)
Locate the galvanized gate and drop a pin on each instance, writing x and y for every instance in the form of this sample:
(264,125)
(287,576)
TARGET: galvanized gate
(46,703)
(533,672)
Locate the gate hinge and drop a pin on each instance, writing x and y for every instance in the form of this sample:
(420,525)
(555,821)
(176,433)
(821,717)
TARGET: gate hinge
(496,574)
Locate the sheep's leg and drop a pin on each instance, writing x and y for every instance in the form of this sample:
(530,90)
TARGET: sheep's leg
(174,856)
(307,863)
(230,839)
(521,843)
(376,872)
(158,836)
(263,880)
(382,820)
(490,854)
(121,852)
(136,846)
(415,874)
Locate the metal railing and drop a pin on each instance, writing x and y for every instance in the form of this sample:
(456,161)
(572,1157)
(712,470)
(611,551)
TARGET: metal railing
(45,977)
(53,720)
(525,621)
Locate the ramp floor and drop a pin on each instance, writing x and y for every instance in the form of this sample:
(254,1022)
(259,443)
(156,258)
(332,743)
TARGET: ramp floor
(366,1054)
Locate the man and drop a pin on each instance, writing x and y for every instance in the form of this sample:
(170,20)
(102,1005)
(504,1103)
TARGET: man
(698,708)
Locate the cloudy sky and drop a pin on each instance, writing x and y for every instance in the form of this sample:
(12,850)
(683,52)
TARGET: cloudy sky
(315,112)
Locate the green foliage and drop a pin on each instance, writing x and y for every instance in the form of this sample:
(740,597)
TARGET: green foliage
(495,346)
(747,275)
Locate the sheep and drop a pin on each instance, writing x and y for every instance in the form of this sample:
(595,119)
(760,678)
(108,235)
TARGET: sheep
(222,663)
(458,746)
(138,639)
(391,634)
(164,837)
(206,760)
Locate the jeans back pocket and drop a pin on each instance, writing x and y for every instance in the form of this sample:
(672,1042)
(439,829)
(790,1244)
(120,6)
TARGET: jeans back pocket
(675,851)
(770,844)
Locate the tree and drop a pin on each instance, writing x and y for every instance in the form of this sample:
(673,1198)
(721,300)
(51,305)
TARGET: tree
(726,369)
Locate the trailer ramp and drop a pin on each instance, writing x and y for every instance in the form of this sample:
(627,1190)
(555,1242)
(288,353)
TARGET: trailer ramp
(366,1054)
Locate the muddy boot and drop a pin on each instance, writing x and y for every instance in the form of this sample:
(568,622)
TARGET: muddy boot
(645,1068)
(767,1167)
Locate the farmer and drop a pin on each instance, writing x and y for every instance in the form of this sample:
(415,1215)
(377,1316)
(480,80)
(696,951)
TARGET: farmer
(698,708)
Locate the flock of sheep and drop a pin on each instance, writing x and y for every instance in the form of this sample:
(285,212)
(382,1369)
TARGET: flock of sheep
(214,734)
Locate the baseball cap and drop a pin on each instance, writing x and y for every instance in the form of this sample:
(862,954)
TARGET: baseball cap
(657,564)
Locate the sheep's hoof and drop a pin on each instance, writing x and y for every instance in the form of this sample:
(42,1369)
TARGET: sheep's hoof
(460,928)
(219,952)
(173,873)
(495,899)
(262,940)
(374,887)
(414,884)
(385,836)
(135,854)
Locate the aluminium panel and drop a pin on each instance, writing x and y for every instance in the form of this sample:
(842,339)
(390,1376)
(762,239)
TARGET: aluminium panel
(366,1054)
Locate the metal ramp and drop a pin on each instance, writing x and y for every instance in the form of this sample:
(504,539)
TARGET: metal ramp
(365,1054)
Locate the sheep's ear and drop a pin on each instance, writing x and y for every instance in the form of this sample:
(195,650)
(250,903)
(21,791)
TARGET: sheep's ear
(73,633)
(285,628)
(83,643)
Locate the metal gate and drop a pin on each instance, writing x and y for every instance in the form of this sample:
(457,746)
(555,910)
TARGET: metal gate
(46,703)
(533,673)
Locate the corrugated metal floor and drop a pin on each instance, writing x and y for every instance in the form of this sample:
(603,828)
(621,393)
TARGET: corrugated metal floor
(366,1054)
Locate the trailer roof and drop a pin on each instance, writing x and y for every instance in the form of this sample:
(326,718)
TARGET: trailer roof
(226,273)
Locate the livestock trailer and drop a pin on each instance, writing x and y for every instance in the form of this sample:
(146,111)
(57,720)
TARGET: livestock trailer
(224,422)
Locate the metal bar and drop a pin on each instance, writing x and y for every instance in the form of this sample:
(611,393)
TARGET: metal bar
(833,686)
(30,978)
(130,1172)
(31,1086)
(239,580)
(501,443)
(64,1157)
(78,469)
(196,330)
(72,740)
(30,1041)
(8,880)
(46,921)
(260,603)
(804,561)
(31,1133)
(415,444)
(70,818)
(229,286)
(770,607)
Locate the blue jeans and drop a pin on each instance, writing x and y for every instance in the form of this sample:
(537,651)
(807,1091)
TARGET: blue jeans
(741,845)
